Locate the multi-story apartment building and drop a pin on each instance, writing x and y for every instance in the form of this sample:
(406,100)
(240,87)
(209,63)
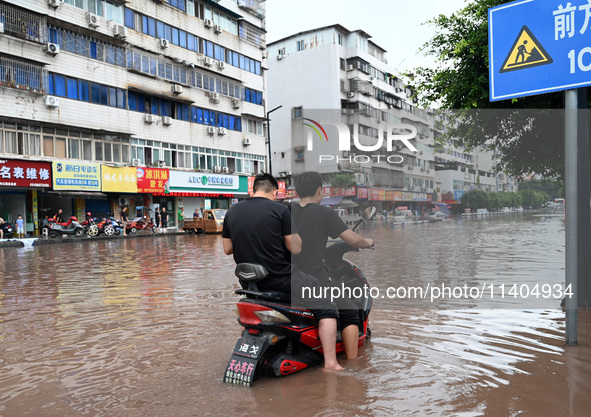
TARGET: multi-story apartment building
(335,74)
(335,69)
(123,102)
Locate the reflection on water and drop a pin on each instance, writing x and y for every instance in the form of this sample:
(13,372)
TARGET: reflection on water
(144,327)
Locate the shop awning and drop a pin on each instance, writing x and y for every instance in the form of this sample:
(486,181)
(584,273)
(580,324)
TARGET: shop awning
(347,202)
(91,195)
(330,201)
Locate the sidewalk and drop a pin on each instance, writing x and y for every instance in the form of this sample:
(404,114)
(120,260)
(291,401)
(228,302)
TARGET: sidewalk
(44,240)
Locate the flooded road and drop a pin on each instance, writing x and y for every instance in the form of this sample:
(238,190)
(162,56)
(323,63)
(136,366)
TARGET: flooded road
(145,327)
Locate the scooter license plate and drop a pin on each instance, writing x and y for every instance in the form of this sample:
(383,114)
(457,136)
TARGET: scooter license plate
(243,363)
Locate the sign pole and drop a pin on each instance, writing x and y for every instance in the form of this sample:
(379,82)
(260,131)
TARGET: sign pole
(571,180)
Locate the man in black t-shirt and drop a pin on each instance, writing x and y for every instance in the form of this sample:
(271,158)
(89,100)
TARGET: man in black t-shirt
(259,230)
(315,224)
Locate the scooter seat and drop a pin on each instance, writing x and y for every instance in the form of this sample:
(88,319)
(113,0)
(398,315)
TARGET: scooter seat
(266,295)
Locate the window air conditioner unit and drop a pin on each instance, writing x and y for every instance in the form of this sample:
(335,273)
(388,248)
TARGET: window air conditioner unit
(52,101)
(135,162)
(217,169)
(217,29)
(350,94)
(52,48)
(161,164)
(207,61)
(222,131)
(120,31)
(235,103)
(164,43)
(149,118)
(208,23)
(211,130)
(215,97)
(55,3)
(176,88)
(350,67)
(93,20)
(246,142)
(279,57)
(166,120)
(226,170)
(221,65)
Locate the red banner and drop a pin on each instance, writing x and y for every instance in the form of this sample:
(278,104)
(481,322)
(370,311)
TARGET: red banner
(32,174)
(152,180)
(326,191)
(362,192)
(281,194)
(350,191)
(374,194)
(250,186)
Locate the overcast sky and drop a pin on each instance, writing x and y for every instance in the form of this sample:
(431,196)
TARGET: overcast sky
(395,25)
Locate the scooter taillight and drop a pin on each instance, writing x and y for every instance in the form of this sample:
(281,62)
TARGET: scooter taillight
(246,313)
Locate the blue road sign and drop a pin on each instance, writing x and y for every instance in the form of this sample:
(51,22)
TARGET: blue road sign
(538,46)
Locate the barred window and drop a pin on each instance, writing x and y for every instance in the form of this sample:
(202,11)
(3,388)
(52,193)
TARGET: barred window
(21,74)
(21,23)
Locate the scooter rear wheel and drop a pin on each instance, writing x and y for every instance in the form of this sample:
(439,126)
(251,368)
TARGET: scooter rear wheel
(109,230)
(93,230)
(79,232)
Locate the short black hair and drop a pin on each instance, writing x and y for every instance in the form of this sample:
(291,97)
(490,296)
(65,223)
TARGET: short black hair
(307,183)
(265,183)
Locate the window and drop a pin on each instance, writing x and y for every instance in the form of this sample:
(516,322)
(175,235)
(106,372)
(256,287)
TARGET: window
(300,45)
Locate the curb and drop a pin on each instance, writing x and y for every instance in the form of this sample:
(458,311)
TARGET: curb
(12,243)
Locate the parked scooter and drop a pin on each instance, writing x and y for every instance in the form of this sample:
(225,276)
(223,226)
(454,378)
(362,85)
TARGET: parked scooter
(72,227)
(279,339)
(7,230)
(90,225)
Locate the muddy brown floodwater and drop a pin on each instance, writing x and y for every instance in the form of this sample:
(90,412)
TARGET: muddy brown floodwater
(145,327)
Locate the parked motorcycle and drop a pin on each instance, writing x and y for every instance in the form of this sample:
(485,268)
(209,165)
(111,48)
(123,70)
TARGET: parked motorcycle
(7,230)
(72,227)
(140,223)
(90,225)
(279,339)
(117,227)
(105,226)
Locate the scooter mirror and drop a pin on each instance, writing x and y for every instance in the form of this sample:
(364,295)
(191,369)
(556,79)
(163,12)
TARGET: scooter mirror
(368,213)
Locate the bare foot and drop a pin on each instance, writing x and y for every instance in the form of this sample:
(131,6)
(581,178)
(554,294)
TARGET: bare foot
(333,367)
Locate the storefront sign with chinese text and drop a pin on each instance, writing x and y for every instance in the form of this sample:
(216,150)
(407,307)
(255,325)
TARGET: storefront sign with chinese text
(32,174)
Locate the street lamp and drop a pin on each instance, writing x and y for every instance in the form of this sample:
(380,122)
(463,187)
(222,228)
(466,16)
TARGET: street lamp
(269,137)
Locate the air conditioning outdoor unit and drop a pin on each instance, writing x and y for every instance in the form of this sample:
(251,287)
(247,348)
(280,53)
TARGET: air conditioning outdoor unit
(208,23)
(52,101)
(350,67)
(350,94)
(213,96)
(217,29)
(94,21)
(235,103)
(246,142)
(221,65)
(52,48)
(217,169)
(164,43)
(120,31)
(211,130)
(222,131)
(161,164)
(279,57)
(176,88)
(55,3)
(166,120)
(149,118)
(226,170)
(135,162)
(207,61)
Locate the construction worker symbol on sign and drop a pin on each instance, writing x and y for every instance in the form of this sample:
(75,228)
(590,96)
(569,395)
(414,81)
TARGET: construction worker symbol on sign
(526,52)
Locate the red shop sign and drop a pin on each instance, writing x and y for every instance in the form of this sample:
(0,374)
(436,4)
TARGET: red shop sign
(152,180)
(32,174)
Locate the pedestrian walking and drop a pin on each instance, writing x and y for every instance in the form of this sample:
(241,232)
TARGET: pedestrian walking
(158,219)
(124,220)
(181,218)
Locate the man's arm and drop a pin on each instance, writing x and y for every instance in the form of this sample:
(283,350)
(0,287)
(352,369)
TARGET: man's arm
(293,243)
(355,240)
(228,247)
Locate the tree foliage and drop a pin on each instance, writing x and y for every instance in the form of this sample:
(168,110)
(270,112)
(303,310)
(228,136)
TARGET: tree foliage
(526,141)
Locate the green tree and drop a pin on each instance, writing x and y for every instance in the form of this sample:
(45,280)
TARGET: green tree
(527,142)
(552,187)
(475,199)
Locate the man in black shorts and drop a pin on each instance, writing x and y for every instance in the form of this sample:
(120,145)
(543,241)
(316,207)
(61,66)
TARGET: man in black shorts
(315,223)
(259,230)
